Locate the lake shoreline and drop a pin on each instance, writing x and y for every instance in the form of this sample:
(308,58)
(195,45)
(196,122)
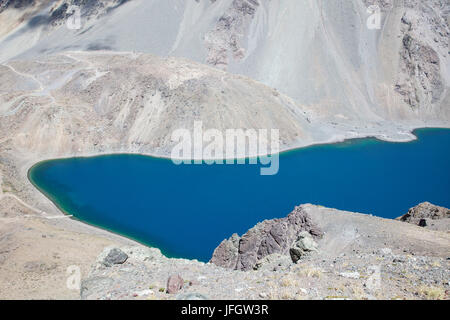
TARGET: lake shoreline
(282,150)
(72,217)
(147,243)
(87,241)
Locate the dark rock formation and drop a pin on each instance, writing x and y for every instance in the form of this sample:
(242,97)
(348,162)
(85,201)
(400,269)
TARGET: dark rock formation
(266,238)
(423,223)
(174,284)
(419,214)
(115,256)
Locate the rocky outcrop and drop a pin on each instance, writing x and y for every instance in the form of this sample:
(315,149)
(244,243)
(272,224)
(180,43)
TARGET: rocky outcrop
(224,41)
(423,214)
(423,54)
(422,84)
(266,238)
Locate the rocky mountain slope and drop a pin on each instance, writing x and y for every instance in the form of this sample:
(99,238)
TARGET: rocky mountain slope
(320,53)
(356,257)
(91,103)
(87,103)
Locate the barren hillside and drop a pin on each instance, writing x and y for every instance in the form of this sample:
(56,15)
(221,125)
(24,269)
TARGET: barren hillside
(320,53)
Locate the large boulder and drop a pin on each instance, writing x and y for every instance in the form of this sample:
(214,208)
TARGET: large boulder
(115,256)
(303,246)
(266,238)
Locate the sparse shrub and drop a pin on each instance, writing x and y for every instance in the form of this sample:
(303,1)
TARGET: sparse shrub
(309,272)
(287,295)
(288,282)
(436,264)
(432,293)
(359,293)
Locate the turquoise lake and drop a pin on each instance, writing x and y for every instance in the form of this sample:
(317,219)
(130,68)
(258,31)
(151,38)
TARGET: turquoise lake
(187,210)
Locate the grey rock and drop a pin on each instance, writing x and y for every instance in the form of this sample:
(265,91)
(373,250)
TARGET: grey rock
(94,287)
(174,284)
(422,83)
(115,256)
(303,246)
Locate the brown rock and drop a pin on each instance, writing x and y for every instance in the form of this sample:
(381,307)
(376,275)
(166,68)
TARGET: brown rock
(174,284)
(266,238)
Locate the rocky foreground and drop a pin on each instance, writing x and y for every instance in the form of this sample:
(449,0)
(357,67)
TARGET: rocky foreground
(338,255)
(313,253)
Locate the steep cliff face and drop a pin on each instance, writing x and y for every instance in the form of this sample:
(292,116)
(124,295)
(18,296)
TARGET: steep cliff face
(328,55)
